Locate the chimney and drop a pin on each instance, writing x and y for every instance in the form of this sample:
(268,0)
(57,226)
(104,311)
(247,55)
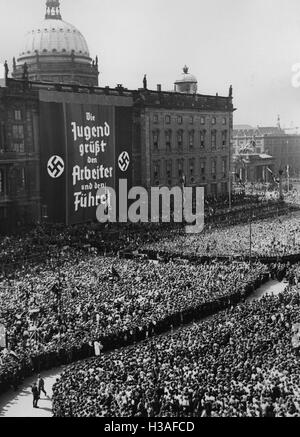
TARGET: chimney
(159,88)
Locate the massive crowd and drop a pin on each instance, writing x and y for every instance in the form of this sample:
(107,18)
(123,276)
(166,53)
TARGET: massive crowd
(38,245)
(238,363)
(67,289)
(111,300)
(269,238)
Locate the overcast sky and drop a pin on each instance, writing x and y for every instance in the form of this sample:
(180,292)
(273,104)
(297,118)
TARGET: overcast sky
(250,44)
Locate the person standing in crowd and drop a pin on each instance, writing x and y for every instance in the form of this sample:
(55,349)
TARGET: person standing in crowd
(41,385)
(35,393)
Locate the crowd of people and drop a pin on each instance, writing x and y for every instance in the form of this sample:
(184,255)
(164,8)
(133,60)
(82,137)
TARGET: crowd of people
(38,244)
(111,300)
(238,363)
(65,292)
(273,237)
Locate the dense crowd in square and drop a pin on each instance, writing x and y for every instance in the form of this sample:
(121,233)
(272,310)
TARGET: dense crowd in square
(238,363)
(62,291)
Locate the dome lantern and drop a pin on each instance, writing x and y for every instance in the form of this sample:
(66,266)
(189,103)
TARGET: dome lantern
(187,83)
(53,10)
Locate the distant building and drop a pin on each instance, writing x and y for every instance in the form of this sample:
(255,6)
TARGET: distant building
(183,138)
(268,148)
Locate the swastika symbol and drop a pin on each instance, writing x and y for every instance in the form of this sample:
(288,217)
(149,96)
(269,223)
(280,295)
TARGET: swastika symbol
(56,167)
(124,161)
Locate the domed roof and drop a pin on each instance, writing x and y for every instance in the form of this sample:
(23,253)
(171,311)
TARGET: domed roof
(186,77)
(54,36)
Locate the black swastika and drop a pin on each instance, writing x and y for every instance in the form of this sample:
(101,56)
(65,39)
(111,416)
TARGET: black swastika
(124,161)
(56,166)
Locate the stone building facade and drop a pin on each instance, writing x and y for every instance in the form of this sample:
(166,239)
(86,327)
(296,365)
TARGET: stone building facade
(281,150)
(19,157)
(183,138)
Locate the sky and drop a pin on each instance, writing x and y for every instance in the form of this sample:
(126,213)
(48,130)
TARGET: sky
(252,45)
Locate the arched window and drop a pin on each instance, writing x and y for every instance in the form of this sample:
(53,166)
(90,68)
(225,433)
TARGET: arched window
(191,139)
(213,140)
(168,136)
(155,134)
(180,139)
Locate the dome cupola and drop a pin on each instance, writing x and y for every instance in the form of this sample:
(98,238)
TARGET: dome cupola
(187,83)
(56,51)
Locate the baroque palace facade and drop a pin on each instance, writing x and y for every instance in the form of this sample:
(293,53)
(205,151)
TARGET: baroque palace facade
(183,138)
(179,137)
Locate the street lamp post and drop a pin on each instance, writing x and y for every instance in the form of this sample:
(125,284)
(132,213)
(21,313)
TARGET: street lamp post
(280,185)
(288,166)
(251,217)
(250,242)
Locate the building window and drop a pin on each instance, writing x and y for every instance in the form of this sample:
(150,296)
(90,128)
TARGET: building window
(155,118)
(224,167)
(192,167)
(2,137)
(19,181)
(180,139)
(214,189)
(18,115)
(18,132)
(191,119)
(202,120)
(179,119)
(1,181)
(224,121)
(191,139)
(17,147)
(213,120)
(180,164)
(44,211)
(202,169)
(155,140)
(225,187)
(168,136)
(202,139)
(213,168)
(156,170)
(213,140)
(169,168)
(168,119)
(224,139)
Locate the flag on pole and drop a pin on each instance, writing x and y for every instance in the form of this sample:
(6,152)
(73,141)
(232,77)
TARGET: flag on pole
(276,180)
(2,337)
